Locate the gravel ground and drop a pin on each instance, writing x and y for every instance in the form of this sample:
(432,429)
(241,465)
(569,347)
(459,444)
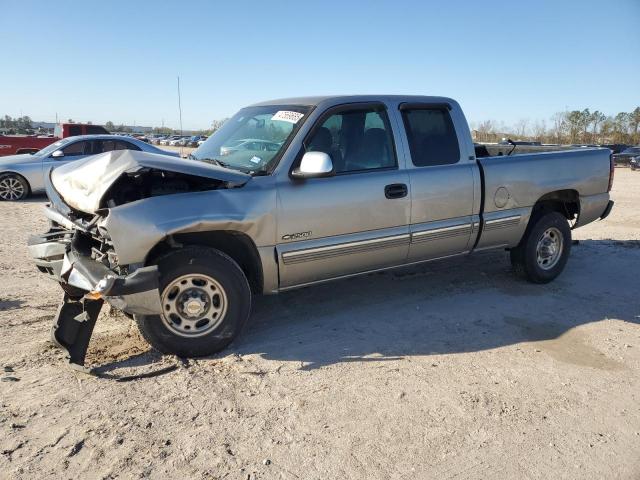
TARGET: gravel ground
(450,370)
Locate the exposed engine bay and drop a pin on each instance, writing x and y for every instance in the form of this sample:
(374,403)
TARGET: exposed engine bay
(147,183)
(118,177)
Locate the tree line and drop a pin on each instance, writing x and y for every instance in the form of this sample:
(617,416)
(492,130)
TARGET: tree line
(215,125)
(568,127)
(16,125)
(24,126)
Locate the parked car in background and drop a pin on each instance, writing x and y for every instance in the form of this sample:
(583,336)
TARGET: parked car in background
(140,136)
(179,141)
(184,141)
(19,144)
(194,141)
(21,175)
(169,138)
(615,147)
(624,158)
(634,163)
(202,140)
(251,144)
(347,185)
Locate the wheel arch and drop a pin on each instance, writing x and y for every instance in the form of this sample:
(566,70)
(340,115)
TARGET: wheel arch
(237,245)
(565,202)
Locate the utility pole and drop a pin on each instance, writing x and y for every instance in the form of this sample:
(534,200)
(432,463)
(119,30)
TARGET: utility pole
(179,105)
(180,111)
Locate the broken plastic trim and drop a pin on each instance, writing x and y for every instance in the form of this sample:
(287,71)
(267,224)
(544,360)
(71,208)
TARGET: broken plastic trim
(73,326)
(72,331)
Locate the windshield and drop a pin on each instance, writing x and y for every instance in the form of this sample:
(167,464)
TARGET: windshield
(632,150)
(54,146)
(252,140)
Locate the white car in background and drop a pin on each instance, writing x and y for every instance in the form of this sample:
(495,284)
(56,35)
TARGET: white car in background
(169,139)
(178,142)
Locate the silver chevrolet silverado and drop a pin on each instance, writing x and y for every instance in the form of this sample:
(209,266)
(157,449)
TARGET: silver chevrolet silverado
(293,192)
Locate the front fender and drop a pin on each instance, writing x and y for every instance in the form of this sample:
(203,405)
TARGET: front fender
(135,228)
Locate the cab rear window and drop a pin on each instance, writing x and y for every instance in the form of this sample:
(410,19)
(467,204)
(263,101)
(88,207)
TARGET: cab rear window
(432,136)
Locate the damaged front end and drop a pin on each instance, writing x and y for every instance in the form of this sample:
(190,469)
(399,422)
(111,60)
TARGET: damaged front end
(79,260)
(78,252)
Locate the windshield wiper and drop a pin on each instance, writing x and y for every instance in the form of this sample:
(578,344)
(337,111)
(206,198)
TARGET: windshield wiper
(215,161)
(222,164)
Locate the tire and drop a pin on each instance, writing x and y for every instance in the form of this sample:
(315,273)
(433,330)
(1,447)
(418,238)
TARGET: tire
(203,315)
(544,250)
(13,187)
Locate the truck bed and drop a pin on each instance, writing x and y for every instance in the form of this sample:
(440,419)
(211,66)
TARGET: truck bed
(513,184)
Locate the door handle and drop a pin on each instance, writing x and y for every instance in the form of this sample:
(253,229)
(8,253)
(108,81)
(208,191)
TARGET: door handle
(396,190)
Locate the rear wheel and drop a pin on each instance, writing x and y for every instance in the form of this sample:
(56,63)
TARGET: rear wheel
(13,187)
(206,301)
(544,250)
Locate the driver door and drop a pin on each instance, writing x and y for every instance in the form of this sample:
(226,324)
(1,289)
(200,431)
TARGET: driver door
(354,221)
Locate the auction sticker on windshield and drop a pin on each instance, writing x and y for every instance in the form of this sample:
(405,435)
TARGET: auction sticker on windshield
(287,116)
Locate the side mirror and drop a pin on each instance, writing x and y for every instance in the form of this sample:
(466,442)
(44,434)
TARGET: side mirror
(57,154)
(314,165)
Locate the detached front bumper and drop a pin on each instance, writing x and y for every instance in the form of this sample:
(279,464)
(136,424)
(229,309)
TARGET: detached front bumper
(87,284)
(136,293)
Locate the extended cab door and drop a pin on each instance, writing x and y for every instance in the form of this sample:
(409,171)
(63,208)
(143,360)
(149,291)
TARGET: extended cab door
(354,221)
(443,183)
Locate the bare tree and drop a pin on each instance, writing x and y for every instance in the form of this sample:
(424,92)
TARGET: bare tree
(559,126)
(585,121)
(485,130)
(216,124)
(621,126)
(596,119)
(521,127)
(540,130)
(634,123)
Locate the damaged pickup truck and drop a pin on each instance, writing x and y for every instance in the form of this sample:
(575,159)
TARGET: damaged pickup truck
(293,192)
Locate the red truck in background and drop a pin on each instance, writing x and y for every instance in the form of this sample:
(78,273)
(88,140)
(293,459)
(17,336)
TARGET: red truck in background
(17,144)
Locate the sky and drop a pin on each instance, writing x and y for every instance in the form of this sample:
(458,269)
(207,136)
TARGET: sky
(502,60)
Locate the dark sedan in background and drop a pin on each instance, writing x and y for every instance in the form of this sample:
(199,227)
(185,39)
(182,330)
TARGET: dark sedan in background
(624,158)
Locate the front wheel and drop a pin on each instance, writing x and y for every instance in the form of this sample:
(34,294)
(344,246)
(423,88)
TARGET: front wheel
(206,301)
(544,250)
(13,187)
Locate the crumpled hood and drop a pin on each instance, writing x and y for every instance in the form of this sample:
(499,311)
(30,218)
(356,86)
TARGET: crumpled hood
(82,184)
(18,159)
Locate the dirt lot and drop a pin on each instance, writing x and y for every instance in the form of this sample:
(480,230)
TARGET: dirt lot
(183,151)
(453,370)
